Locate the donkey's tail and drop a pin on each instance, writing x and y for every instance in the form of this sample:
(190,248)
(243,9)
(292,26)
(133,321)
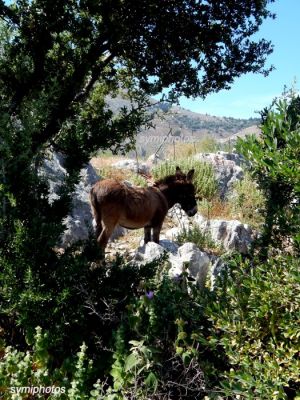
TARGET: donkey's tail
(95,207)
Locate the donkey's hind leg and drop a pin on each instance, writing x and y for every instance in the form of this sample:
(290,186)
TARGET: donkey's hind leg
(107,230)
(97,221)
(98,228)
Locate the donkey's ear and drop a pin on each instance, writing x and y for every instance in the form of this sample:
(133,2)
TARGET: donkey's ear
(190,175)
(179,176)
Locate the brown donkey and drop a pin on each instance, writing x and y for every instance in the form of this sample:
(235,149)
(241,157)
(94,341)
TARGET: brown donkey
(115,203)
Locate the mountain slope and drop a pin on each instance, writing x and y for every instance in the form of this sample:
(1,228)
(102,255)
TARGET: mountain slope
(174,123)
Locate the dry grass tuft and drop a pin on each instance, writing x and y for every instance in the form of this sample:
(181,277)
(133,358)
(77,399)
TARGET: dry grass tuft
(216,209)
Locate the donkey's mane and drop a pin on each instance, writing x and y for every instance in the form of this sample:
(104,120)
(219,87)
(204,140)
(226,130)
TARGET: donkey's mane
(168,180)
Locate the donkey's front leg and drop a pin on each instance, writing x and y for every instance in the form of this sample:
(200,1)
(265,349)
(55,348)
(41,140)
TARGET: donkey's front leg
(147,234)
(156,233)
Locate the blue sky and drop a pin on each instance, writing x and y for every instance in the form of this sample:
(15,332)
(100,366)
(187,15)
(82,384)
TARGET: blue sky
(253,92)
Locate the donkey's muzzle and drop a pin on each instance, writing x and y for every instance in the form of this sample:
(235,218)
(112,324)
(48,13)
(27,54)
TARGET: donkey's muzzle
(192,212)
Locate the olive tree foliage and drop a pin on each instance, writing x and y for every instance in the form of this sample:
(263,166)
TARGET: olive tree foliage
(60,59)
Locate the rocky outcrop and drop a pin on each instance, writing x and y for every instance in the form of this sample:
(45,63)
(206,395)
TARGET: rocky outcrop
(184,258)
(78,224)
(232,235)
(227,167)
(179,217)
(139,167)
(196,261)
(132,165)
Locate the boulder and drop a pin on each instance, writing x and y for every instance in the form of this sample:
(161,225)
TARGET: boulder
(218,267)
(179,217)
(185,258)
(132,165)
(55,173)
(227,167)
(149,252)
(233,235)
(169,246)
(173,233)
(79,223)
(197,262)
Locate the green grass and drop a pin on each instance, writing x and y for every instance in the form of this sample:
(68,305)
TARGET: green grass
(247,202)
(204,177)
(201,239)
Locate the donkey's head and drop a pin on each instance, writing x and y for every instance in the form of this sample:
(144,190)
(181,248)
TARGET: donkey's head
(178,188)
(185,191)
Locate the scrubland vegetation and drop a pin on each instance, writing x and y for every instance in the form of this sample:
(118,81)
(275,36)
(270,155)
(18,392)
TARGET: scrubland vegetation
(129,332)
(125,331)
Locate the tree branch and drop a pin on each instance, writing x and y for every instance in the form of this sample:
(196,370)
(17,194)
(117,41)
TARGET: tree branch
(95,75)
(6,11)
(64,108)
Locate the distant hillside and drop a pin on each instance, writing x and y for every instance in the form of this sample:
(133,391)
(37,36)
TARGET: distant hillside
(186,125)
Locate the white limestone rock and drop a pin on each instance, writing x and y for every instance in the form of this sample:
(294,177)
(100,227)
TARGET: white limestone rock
(197,262)
(172,233)
(78,224)
(132,165)
(233,235)
(185,258)
(149,252)
(179,217)
(227,167)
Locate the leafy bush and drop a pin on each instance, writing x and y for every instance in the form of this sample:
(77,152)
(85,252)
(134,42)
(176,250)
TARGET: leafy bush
(204,177)
(256,321)
(65,299)
(157,352)
(201,240)
(159,337)
(151,333)
(24,374)
(274,161)
(247,202)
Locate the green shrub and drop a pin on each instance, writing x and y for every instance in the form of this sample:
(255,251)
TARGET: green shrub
(157,352)
(204,177)
(256,321)
(247,202)
(152,334)
(138,180)
(159,337)
(64,299)
(196,235)
(274,163)
(29,374)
